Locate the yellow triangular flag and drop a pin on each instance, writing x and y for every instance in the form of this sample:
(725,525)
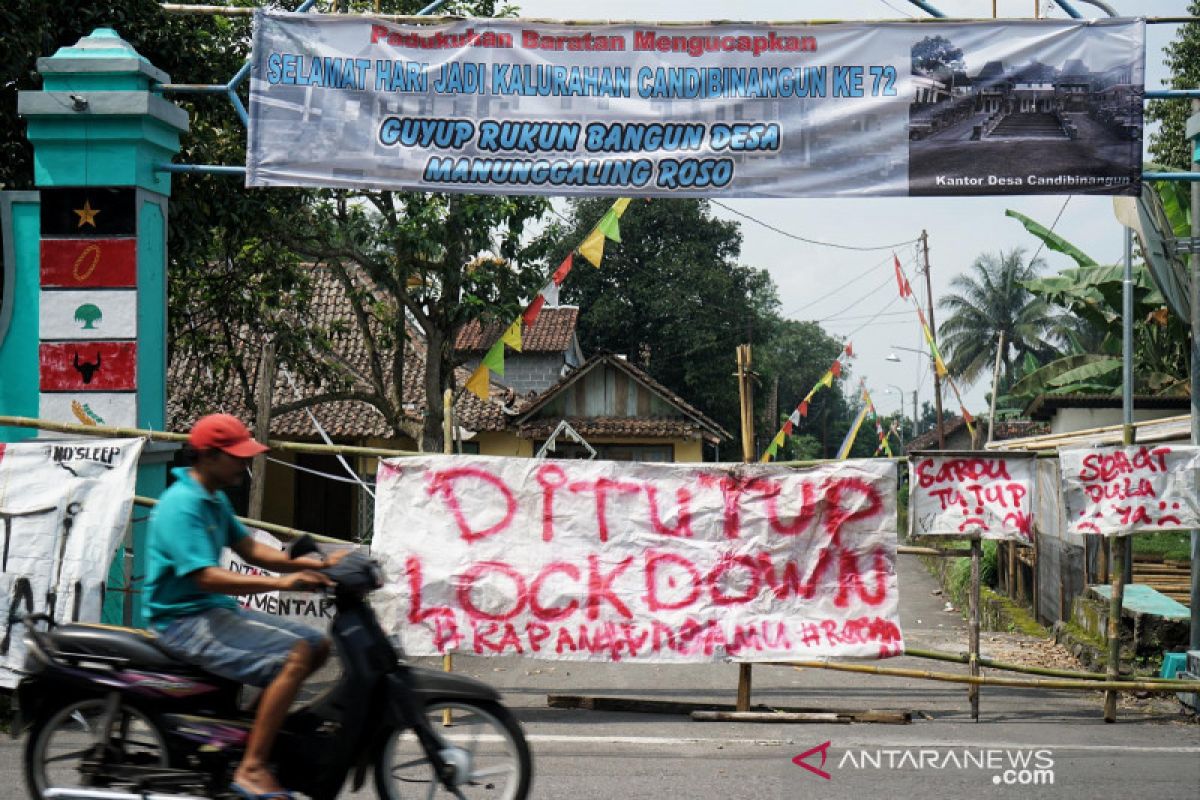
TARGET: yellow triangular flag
(512,336)
(620,206)
(827,379)
(593,247)
(478,384)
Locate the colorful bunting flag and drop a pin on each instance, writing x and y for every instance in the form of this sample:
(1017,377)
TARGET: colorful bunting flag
(593,247)
(550,292)
(901,281)
(531,313)
(836,369)
(512,336)
(804,409)
(827,379)
(849,350)
(787,428)
(610,226)
(478,383)
(564,269)
(494,360)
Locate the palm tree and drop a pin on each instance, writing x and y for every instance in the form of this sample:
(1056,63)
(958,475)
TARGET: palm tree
(990,299)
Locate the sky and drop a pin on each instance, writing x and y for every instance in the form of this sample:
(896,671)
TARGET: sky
(959,229)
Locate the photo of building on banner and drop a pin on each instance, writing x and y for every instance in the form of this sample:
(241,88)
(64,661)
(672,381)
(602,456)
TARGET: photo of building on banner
(1120,490)
(972,495)
(505,106)
(64,508)
(627,561)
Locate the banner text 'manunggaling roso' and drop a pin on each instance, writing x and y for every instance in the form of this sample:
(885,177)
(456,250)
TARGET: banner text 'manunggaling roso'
(510,106)
(616,561)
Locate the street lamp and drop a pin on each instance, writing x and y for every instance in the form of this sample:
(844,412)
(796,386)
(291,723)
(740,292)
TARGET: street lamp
(895,359)
(899,391)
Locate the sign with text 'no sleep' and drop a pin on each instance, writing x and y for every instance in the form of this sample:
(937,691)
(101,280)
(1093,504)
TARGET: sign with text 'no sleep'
(627,561)
(492,106)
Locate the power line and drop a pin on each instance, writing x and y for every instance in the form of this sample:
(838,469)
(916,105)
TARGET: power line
(886,281)
(1056,219)
(890,303)
(899,11)
(856,317)
(837,289)
(798,238)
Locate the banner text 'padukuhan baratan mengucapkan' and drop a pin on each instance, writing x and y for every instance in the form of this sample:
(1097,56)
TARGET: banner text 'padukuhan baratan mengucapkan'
(494,106)
(616,561)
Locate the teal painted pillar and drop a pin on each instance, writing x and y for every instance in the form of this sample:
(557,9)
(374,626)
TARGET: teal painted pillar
(83,333)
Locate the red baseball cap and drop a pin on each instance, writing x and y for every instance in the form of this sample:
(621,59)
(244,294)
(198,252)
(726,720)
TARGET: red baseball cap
(224,432)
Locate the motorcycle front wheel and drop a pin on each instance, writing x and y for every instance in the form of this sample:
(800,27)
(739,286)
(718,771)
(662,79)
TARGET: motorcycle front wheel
(487,745)
(61,745)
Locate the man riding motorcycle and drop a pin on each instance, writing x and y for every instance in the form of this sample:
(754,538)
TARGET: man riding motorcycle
(189,597)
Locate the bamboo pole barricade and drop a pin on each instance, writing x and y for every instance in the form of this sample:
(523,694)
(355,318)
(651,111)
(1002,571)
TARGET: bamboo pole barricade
(960,658)
(1089,685)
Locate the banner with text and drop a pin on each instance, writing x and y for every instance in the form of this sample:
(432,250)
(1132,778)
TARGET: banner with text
(64,507)
(314,610)
(1117,490)
(988,496)
(626,561)
(496,106)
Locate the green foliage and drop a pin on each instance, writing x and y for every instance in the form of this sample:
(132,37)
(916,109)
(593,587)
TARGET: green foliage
(1090,332)
(1175,546)
(1169,144)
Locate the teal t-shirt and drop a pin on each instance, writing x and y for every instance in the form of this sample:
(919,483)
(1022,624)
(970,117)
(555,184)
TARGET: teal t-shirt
(188,529)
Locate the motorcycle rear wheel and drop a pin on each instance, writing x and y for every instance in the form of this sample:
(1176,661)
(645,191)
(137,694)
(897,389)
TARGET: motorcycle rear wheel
(499,764)
(61,741)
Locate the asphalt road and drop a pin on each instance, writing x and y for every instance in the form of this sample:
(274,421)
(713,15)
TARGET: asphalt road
(1023,735)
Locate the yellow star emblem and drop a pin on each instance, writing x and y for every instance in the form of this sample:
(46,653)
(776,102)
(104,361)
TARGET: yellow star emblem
(87,214)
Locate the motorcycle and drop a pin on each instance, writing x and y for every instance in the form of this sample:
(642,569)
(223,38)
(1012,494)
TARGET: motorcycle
(110,716)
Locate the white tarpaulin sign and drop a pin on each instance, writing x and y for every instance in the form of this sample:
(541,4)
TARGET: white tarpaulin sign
(1118,490)
(627,561)
(312,609)
(64,507)
(496,106)
(987,495)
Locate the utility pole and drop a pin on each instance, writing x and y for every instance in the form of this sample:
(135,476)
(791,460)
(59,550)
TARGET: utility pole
(937,378)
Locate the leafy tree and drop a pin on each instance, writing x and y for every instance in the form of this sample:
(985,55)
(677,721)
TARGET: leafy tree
(435,261)
(671,297)
(990,299)
(1169,144)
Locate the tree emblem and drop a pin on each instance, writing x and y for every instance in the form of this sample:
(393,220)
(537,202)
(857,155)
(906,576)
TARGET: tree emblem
(88,314)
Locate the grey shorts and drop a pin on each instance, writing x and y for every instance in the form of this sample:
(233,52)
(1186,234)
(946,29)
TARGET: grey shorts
(240,644)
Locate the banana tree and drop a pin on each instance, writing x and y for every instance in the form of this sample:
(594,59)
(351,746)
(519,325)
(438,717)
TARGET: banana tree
(1090,294)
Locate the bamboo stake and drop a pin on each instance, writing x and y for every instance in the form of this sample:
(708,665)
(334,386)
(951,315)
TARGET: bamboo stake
(962,658)
(1116,603)
(909,550)
(165,436)
(746,400)
(989,680)
(262,429)
(973,641)
(447,448)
